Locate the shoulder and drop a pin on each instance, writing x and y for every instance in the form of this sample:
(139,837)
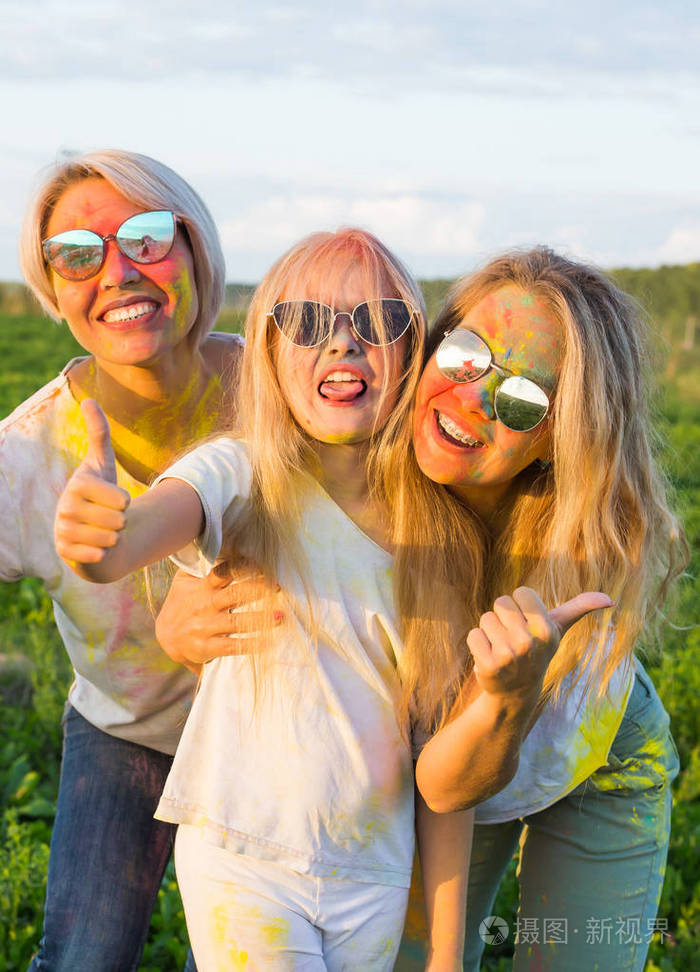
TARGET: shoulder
(224,459)
(221,350)
(38,414)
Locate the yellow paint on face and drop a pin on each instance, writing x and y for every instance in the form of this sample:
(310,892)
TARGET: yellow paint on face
(94,204)
(525,340)
(186,297)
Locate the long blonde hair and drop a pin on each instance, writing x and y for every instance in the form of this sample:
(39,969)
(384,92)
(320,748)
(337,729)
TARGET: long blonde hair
(596,518)
(282,454)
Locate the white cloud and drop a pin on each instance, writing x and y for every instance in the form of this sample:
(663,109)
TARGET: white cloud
(451,128)
(682,245)
(447,235)
(407,223)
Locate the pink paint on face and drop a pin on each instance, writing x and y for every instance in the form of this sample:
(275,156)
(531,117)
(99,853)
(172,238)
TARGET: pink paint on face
(162,295)
(482,454)
(344,389)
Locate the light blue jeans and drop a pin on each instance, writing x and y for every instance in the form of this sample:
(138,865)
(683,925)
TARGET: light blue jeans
(592,865)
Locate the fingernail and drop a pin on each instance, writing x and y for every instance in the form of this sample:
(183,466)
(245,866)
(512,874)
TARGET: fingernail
(278,616)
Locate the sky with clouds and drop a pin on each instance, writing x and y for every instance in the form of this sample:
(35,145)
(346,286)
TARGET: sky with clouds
(450,128)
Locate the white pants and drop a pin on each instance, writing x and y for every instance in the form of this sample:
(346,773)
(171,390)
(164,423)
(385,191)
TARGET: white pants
(244,913)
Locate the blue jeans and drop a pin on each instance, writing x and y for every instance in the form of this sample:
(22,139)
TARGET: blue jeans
(592,865)
(107,856)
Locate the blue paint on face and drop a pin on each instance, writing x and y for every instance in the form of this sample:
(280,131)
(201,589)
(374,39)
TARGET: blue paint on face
(486,399)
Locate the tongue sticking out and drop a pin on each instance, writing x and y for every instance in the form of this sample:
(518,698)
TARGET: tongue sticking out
(341,391)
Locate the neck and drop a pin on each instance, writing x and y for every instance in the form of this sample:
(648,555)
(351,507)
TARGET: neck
(127,392)
(343,473)
(487,502)
(344,478)
(155,412)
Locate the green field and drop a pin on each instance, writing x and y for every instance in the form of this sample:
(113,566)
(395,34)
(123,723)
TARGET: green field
(35,675)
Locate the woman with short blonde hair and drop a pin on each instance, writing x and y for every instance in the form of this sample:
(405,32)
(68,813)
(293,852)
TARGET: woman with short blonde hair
(152,186)
(125,251)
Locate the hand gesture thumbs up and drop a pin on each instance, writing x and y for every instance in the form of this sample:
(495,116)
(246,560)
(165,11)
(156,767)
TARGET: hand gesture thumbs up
(90,511)
(100,454)
(514,643)
(568,613)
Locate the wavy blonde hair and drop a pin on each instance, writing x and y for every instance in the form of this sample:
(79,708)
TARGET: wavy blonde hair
(148,183)
(596,518)
(282,453)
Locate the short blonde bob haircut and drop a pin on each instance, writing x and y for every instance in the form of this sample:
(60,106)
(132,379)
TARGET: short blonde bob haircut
(148,183)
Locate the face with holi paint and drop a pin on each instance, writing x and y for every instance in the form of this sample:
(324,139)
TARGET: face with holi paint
(128,313)
(343,390)
(458,439)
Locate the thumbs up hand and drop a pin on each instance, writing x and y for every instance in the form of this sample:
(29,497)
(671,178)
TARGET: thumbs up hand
(100,454)
(514,643)
(91,511)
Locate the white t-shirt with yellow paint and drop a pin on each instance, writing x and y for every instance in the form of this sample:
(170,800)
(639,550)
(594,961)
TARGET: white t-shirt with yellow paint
(124,684)
(316,773)
(568,743)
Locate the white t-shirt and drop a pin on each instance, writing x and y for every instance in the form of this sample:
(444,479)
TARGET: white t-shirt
(570,741)
(124,684)
(317,774)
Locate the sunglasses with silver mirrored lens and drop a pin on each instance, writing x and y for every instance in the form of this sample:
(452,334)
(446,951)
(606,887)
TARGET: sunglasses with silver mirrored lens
(308,323)
(519,403)
(79,253)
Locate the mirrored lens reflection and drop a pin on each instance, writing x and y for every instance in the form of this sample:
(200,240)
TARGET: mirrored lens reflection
(75,253)
(520,404)
(462,356)
(147,237)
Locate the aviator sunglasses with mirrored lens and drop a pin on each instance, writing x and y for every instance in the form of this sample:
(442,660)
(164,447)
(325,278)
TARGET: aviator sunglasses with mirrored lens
(79,253)
(308,323)
(519,403)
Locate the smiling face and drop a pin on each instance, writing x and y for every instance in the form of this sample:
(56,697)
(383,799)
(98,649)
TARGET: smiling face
(127,313)
(457,437)
(343,390)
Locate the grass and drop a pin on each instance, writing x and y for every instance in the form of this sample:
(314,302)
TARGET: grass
(33,688)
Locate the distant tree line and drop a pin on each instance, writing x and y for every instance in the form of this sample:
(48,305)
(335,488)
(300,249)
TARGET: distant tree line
(670,294)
